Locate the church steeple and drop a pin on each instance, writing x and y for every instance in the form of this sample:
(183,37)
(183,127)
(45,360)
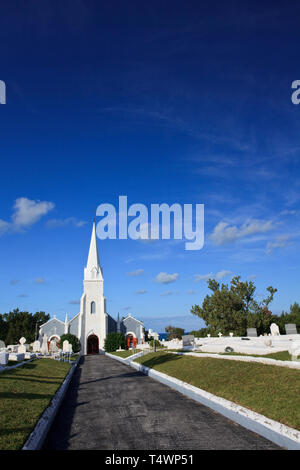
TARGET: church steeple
(93,269)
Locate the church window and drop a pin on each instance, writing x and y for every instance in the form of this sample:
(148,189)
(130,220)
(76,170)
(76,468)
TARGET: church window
(93,307)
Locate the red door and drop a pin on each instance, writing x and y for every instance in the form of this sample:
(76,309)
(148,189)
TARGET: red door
(93,344)
(129,341)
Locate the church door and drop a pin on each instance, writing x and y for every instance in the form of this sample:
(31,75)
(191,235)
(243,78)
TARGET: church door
(93,344)
(129,341)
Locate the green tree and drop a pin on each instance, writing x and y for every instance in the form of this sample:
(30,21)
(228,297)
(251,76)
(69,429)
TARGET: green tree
(76,346)
(293,316)
(114,341)
(174,332)
(3,328)
(20,324)
(233,308)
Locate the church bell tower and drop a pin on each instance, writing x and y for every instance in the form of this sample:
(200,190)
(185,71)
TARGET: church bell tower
(93,316)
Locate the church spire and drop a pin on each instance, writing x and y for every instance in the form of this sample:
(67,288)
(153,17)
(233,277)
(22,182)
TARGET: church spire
(93,268)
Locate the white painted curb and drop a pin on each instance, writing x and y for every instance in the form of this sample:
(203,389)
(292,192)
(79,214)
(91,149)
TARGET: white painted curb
(276,432)
(124,360)
(38,435)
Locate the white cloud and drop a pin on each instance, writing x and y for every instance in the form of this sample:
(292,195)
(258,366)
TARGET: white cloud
(54,223)
(168,292)
(27,212)
(164,278)
(222,274)
(224,233)
(137,272)
(142,291)
(4,226)
(203,277)
(280,242)
(39,280)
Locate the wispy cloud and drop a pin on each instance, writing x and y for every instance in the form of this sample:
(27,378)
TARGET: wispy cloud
(137,272)
(222,274)
(223,233)
(166,293)
(26,212)
(142,291)
(74,302)
(39,280)
(219,275)
(280,242)
(203,277)
(164,278)
(56,223)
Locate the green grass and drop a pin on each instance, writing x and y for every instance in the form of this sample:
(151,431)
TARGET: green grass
(280,356)
(25,392)
(125,354)
(270,390)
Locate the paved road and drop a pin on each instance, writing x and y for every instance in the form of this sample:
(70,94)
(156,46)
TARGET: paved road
(113,407)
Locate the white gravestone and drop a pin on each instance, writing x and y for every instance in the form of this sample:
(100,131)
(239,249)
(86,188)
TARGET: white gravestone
(268,342)
(36,346)
(274,330)
(2,344)
(66,346)
(53,346)
(70,348)
(44,348)
(294,349)
(22,348)
(4,358)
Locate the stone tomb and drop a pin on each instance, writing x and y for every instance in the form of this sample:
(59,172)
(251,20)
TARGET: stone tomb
(36,347)
(290,329)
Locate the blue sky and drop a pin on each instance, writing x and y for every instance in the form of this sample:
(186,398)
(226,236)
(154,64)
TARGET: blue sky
(181,102)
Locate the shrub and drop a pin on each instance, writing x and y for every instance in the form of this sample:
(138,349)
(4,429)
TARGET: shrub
(157,343)
(114,341)
(76,346)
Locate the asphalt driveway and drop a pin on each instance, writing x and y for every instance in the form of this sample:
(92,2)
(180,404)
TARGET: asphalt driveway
(111,406)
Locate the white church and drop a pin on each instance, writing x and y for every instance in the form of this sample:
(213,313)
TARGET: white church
(92,323)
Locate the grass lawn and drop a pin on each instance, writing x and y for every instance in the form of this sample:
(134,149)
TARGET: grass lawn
(280,356)
(270,390)
(125,354)
(25,393)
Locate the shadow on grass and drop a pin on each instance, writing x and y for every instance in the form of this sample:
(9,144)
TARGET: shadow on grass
(26,396)
(159,359)
(25,378)
(6,432)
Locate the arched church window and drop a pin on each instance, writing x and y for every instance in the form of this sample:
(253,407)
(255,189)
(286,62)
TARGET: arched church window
(93,307)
